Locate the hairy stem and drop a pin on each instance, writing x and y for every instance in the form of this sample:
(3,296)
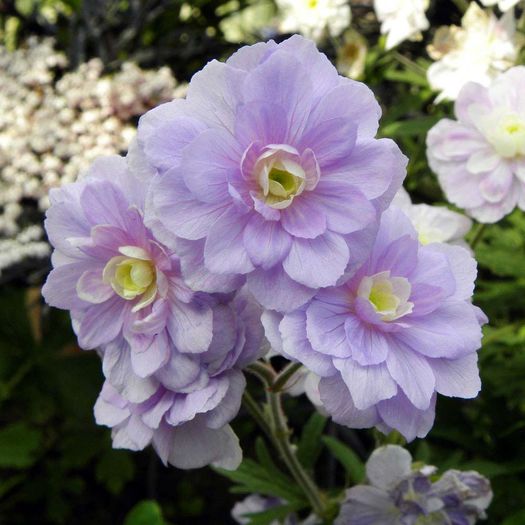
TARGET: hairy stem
(281,438)
(283,378)
(478,234)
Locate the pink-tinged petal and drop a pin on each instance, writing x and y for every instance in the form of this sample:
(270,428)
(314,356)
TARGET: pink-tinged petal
(224,250)
(483,161)
(450,140)
(159,115)
(399,414)
(213,94)
(368,345)
(154,322)
(270,214)
(296,345)
(457,377)
(107,239)
(317,262)
(177,209)
(412,373)
(153,357)
(346,209)
(266,242)
(229,407)
(190,327)
(451,331)
(325,327)
(101,323)
(283,81)
(337,400)
(394,225)
(197,276)
(471,94)
(92,289)
(276,291)
(367,384)
(60,288)
(304,218)
(209,162)
(495,186)
(165,144)
(311,169)
(104,203)
(489,212)
(194,445)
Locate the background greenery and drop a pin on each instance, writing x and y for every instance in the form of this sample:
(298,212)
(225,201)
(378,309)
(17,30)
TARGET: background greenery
(57,466)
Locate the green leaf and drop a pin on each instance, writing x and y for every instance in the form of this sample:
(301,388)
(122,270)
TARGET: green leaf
(516,519)
(347,457)
(265,459)
(147,512)
(19,444)
(114,470)
(310,443)
(416,126)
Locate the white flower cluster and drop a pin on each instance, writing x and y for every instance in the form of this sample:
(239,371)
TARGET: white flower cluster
(53,125)
(26,244)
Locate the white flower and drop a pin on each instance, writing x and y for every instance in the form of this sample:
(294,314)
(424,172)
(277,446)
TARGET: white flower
(504,5)
(313,18)
(351,55)
(401,19)
(434,223)
(478,51)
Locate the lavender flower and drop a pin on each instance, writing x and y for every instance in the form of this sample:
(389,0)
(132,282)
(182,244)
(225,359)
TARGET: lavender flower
(270,170)
(183,410)
(399,331)
(399,494)
(479,157)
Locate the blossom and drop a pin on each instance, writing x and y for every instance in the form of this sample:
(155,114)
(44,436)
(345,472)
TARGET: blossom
(351,55)
(269,171)
(434,223)
(477,51)
(315,18)
(401,19)
(399,492)
(503,5)
(479,156)
(183,410)
(387,340)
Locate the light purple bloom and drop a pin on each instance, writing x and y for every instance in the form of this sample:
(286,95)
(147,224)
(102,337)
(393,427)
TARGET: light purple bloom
(399,494)
(183,409)
(269,170)
(113,274)
(479,158)
(399,331)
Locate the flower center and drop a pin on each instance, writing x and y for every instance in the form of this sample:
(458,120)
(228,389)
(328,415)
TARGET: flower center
(507,135)
(388,295)
(280,176)
(132,275)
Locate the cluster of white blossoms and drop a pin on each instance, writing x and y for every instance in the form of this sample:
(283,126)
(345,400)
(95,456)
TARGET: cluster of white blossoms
(478,51)
(54,124)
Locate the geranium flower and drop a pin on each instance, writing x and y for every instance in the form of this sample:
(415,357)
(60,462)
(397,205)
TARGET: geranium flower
(479,157)
(399,331)
(270,170)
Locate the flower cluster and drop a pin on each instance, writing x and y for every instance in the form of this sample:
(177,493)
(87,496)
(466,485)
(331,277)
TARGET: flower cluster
(400,492)
(479,157)
(52,126)
(265,188)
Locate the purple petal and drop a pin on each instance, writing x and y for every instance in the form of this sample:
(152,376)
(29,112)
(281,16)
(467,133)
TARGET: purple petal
(92,289)
(368,345)
(457,377)
(304,218)
(190,326)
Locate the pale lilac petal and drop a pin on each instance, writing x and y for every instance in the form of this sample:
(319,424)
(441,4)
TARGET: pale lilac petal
(230,404)
(190,327)
(317,262)
(388,466)
(92,289)
(304,218)
(457,377)
(368,345)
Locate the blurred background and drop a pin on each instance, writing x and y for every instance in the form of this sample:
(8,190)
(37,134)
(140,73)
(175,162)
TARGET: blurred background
(74,78)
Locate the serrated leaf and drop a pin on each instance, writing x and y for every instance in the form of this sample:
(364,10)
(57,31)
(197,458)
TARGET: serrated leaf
(310,443)
(19,444)
(147,512)
(347,457)
(114,470)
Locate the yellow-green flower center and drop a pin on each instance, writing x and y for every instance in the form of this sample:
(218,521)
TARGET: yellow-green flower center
(506,133)
(282,183)
(132,275)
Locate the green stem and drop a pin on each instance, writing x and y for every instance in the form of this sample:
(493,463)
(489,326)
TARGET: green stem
(258,415)
(478,234)
(410,64)
(284,376)
(265,373)
(281,433)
